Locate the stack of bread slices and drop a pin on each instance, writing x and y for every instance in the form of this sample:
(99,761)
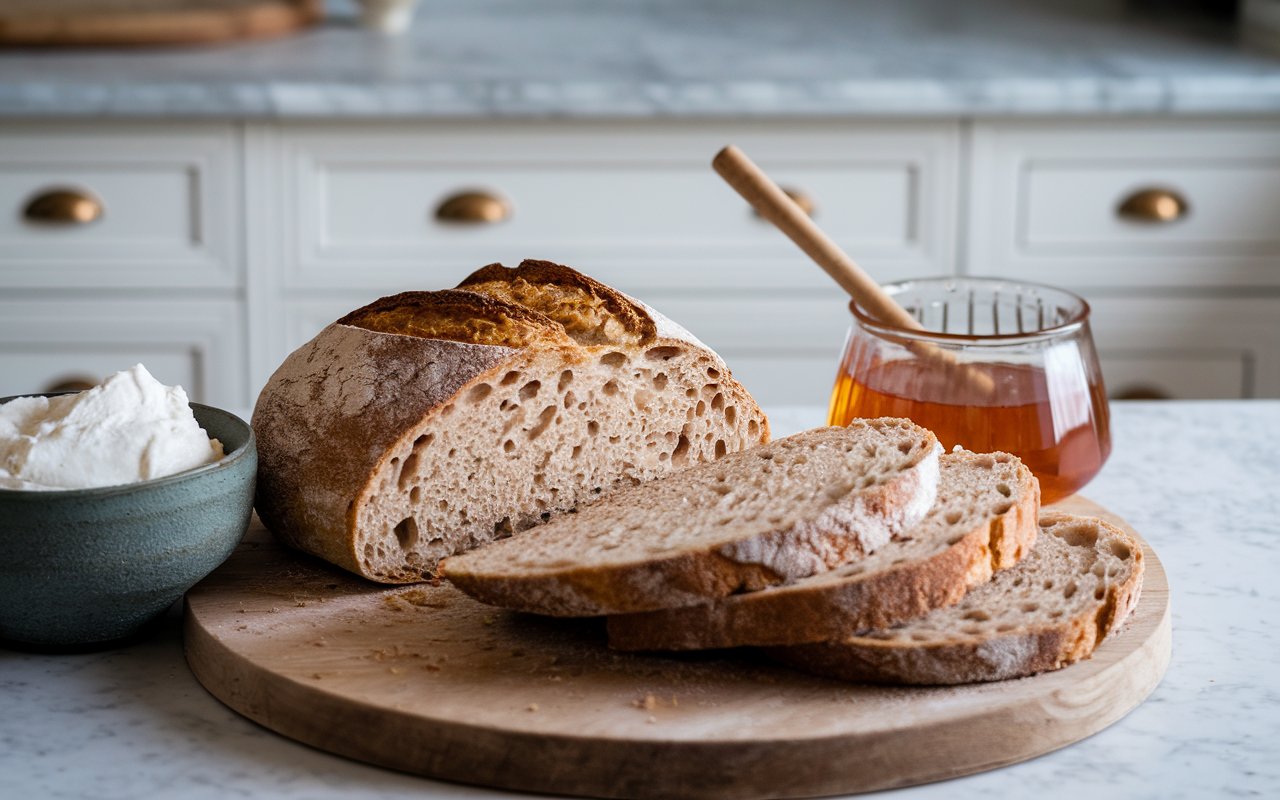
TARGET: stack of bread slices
(861,552)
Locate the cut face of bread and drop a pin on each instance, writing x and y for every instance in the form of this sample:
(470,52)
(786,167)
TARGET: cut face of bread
(984,519)
(773,514)
(1076,587)
(428,423)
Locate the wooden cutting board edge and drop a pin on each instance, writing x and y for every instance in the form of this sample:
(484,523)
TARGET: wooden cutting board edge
(1037,715)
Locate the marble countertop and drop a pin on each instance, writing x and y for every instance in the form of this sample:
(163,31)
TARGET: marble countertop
(712,58)
(1197,479)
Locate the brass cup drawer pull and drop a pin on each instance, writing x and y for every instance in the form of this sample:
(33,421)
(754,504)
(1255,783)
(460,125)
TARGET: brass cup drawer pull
(71,383)
(63,207)
(473,208)
(799,198)
(1153,207)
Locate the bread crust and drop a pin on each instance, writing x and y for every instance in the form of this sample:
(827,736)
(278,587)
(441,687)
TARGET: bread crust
(1014,654)
(796,615)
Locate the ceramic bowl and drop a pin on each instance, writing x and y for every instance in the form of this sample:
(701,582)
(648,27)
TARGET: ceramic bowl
(82,568)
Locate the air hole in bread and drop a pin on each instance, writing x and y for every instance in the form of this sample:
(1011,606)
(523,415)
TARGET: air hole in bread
(766,456)
(717,402)
(681,453)
(1120,550)
(593,428)
(530,390)
(503,528)
(753,429)
(1069,590)
(479,392)
(642,398)
(1048,585)
(1100,592)
(700,409)
(613,360)
(977,616)
(1080,535)
(730,415)
(1099,569)
(920,637)
(1030,608)
(661,353)
(408,471)
(545,419)
(971,630)
(406,532)
(544,516)
(615,439)
(1002,459)
(610,388)
(447,410)
(869,450)
(721,448)
(566,378)
(954,540)
(953,517)
(722,489)
(1017,581)
(905,447)
(1005,628)
(577,451)
(1003,508)
(508,446)
(713,373)
(511,377)
(395,462)
(1003,488)
(1056,614)
(868,481)
(415,495)
(985,462)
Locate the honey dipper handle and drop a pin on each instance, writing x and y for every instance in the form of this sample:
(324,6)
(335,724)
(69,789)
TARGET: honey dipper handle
(773,204)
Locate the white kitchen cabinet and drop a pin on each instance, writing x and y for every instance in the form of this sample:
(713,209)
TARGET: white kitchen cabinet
(126,206)
(636,205)
(223,246)
(1046,202)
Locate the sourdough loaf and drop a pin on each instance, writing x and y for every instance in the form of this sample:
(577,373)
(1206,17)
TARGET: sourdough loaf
(428,423)
(773,514)
(1076,587)
(984,519)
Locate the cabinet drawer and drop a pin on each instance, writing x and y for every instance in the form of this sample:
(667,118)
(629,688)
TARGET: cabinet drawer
(199,345)
(636,206)
(164,205)
(1049,203)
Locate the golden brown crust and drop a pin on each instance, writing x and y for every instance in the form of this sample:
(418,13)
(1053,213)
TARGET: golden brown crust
(457,316)
(589,311)
(833,609)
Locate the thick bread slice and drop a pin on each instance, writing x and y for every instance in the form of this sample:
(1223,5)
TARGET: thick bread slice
(772,514)
(984,519)
(1075,588)
(427,423)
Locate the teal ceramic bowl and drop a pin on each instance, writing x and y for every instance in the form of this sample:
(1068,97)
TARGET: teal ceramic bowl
(83,568)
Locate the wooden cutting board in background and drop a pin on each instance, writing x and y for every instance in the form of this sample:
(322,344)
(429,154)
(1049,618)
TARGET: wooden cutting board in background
(141,22)
(425,680)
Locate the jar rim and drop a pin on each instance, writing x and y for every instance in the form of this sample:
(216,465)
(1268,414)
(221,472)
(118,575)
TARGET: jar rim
(1078,318)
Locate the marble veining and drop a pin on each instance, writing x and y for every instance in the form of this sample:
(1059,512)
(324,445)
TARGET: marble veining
(1198,479)
(616,58)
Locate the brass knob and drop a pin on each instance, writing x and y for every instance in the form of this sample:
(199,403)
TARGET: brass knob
(1141,392)
(801,199)
(1153,206)
(71,383)
(63,207)
(473,208)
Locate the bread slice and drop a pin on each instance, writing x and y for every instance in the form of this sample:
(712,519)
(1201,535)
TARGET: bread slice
(428,423)
(984,519)
(773,514)
(1075,588)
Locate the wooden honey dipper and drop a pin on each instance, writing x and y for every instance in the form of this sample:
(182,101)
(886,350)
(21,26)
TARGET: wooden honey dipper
(773,204)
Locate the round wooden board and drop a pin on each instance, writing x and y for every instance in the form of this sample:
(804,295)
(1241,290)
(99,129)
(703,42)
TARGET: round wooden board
(425,680)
